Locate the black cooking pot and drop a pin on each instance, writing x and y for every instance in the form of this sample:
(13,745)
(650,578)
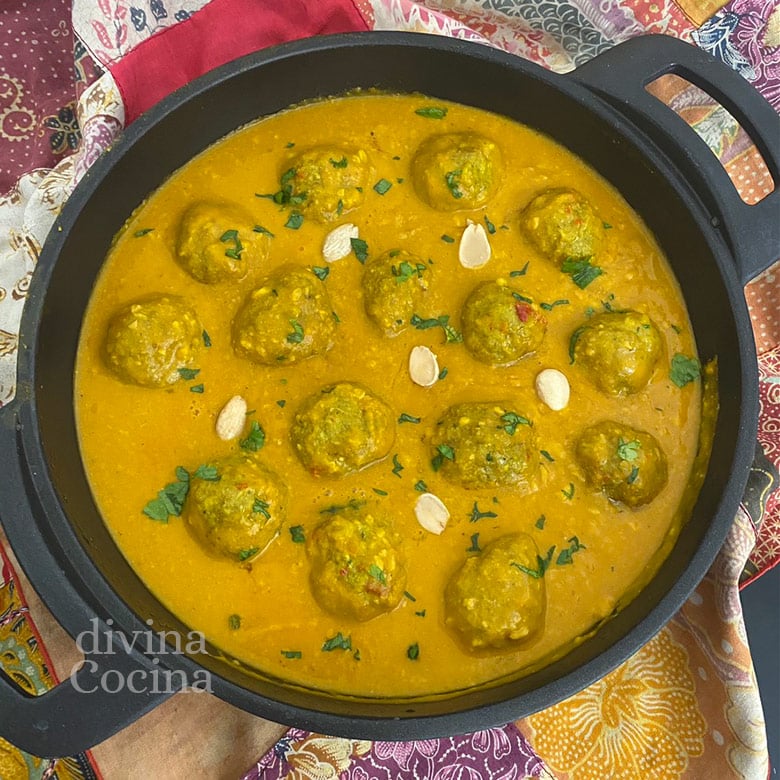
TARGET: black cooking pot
(603,113)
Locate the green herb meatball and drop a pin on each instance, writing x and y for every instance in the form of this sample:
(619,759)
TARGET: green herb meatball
(497,598)
(148,341)
(326,182)
(341,429)
(627,464)
(619,350)
(500,324)
(395,286)
(236,506)
(216,242)
(457,171)
(486,444)
(288,318)
(561,224)
(357,565)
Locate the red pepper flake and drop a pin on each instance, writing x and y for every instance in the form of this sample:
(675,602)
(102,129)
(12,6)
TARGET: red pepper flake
(523,311)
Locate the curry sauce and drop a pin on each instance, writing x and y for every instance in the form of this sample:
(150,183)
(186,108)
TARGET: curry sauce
(260,607)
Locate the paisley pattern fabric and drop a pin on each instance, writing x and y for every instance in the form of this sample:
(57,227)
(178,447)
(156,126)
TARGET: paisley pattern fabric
(686,705)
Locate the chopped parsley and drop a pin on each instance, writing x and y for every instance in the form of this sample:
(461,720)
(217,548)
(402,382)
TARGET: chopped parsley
(409,596)
(379,491)
(628,450)
(511,420)
(452,336)
(382,186)
(294,221)
(476,514)
(188,373)
(255,439)
(377,573)
(443,452)
(447,239)
(452,180)
(397,467)
(338,642)
(573,342)
(296,337)
(420,486)
(684,370)
(234,252)
(547,456)
(565,556)
(261,507)
(631,478)
(207,473)
(342,163)
(407,418)
(405,271)
(284,195)
(297,534)
(206,339)
(360,249)
(551,306)
(197,388)
(413,652)
(234,622)
(321,272)
(474,544)
(540,521)
(292,654)
(491,228)
(542,564)
(170,500)
(263,230)
(244,555)
(521,272)
(581,271)
(431,112)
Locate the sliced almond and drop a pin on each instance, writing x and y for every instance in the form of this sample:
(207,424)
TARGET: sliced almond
(231,420)
(552,387)
(423,367)
(431,513)
(474,248)
(338,243)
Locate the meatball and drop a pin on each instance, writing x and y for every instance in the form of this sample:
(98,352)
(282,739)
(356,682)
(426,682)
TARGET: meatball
(494,601)
(341,429)
(357,566)
(236,506)
(326,182)
(628,464)
(500,324)
(216,242)
(148,341)
(288,318)
(618,350)
(486,445)
(457,171)
(395,285)
(561,223)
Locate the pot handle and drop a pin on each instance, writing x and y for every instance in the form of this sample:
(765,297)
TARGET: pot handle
(620,76)
(80,711)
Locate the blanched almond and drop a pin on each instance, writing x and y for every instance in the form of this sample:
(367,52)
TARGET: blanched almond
(423,367)
(474,248)
(552,387)
(231,420)
(338,242)
(431,513)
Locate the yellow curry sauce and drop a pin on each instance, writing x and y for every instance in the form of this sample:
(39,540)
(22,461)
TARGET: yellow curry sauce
(262,611)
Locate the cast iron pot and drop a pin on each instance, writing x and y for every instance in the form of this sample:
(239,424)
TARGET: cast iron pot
(603,113)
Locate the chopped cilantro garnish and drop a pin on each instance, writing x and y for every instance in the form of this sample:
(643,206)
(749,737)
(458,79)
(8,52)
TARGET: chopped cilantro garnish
(409,596)
(377,573)
(521,272)
(573,342)
(474,544)
(443,452)
(244,555)
(296,337)
(281,403)
(413,652)
(447,239)
(420,486)
(207,473)
(338,642)
(197,388)
(255,439)
(547,455)
(511,420)
(234,622)
(206,339)
(476,514)
(234,252)
(294,221)
(443,373)
(297,534)
(405,270)
(551,306)
(452,336)
(342,163)
(334,509)
(382,186)
(540,521)
(569,492)
(491,228)
(379,491)
(321,272)
(581,271)
(631,478)
(452,180)
(170,500)
(421,613)
(188,373)
(542,564)
(684,370)
(431,112)
(565,556)
(628,450)
(407,418)
(360,249)
(263,230)
(397,467)
(261,507)
(292,654)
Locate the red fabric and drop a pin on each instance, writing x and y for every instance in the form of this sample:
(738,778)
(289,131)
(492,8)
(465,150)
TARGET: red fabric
(220,32)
